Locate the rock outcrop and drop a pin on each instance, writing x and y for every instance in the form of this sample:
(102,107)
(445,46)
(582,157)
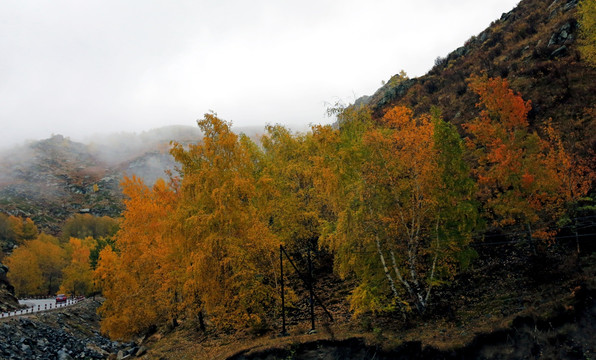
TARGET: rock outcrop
(8,301)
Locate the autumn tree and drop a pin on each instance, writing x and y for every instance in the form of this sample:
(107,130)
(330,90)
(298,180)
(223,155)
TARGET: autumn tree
(101,243)
(81,226)
(196,245)
(25,274)
(37,265)
(24,229)
(15,231)
(29,230)
(524,180)
(574,178)
(51,259)
(231,258)
(409,219)
(108,267)
(16,224)
(339,158)
(8,238)
(77,277)
(146,271)
(296,208)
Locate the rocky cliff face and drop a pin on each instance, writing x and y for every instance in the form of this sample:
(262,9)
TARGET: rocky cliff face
(8,301)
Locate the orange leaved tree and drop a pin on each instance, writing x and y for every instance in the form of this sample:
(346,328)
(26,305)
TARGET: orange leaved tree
(140,284)
(51,258)
(524,180)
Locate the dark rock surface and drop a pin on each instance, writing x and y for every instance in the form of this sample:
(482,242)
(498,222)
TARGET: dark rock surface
(8,301)
(70,333)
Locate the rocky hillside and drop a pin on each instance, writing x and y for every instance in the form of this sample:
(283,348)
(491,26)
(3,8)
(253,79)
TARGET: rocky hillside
(7,299)
(51,179)
(535,47)
(69,333)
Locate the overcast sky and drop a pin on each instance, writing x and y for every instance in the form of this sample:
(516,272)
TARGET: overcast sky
(81,67)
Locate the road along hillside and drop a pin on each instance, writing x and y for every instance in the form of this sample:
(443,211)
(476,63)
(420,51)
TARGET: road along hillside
(65,333)
(29,306)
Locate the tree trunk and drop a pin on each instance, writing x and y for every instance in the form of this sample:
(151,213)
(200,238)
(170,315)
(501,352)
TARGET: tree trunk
(531,240)
(576,237)
(387,273)
(201,319)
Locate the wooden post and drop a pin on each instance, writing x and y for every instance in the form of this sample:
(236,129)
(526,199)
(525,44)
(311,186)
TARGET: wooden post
(311,293)
(305,281)
(283,304)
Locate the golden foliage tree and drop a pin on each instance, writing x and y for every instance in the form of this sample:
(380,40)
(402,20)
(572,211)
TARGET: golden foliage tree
(23,229)
(195,245)
(16,225)
(201,244)
(29,230)
(25,274)
(37,266)
(7,235)
(139,285)
(231,255)
(107,269)
(81,226)
(77,277)
(296,208)
(51,258)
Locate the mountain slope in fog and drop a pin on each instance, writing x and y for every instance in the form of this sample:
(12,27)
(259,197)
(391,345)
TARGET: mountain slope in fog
(51,179)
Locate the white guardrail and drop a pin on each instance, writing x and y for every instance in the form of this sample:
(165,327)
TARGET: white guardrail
(39,305)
